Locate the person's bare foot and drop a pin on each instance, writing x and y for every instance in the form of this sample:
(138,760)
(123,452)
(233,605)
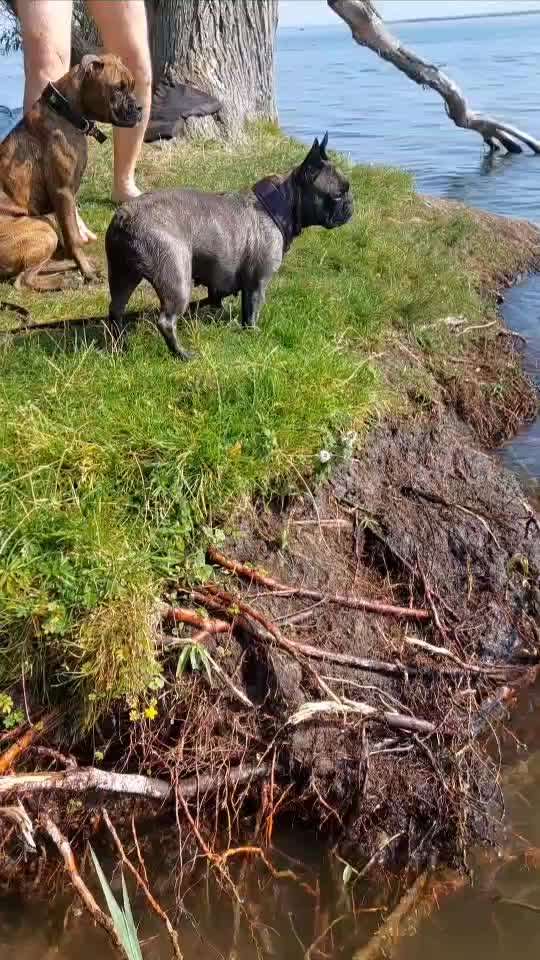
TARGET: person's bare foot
(125,191)
(86,234)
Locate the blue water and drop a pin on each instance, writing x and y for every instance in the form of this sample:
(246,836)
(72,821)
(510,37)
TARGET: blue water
(375,114)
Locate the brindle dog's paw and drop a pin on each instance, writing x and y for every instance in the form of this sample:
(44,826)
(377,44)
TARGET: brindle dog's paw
(93,279)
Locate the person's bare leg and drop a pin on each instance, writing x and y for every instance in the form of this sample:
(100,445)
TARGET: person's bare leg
(124,31)
(46,36)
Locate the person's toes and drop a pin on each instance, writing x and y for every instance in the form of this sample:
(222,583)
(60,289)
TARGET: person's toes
(86,234)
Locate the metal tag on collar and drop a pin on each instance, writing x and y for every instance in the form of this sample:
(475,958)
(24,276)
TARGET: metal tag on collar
(96,133)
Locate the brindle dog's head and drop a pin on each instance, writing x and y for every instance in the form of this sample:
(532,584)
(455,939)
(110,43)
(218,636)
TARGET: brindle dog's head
(325,193)
(106,91)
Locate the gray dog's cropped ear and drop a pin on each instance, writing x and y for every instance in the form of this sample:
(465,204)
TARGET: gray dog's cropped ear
(92,61)
(313,162)
(324,144)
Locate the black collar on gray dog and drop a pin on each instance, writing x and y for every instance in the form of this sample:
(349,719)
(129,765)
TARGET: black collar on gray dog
(280,206)
(57,102)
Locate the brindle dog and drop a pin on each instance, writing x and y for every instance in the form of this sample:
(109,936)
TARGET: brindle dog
(42,162)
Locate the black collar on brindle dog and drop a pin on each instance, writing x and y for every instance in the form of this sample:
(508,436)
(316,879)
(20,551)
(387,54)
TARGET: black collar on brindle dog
(280,205)
(57,102)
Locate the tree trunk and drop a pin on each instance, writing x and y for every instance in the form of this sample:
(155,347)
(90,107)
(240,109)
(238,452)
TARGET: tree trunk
(369,30)
(223,47)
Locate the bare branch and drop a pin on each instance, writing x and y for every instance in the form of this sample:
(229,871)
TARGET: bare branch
(369,31)
(129,784)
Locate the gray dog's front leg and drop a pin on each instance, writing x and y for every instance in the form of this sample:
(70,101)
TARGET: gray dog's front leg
(252,301)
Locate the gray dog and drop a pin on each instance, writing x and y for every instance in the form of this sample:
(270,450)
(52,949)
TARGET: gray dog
(228,242)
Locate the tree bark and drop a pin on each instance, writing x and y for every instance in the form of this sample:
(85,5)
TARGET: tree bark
(222,47)
(369,31)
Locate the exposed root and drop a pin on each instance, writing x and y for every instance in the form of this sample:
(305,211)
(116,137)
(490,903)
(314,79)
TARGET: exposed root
(10,756)
(127,784)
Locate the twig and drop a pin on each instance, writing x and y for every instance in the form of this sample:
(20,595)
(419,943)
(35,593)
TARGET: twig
(67,760)
(85,896)
(449,504)
(389,930)
(10,756)
(257,625)
(158,910)
(374,859)
(322,936)
(429,597)
(354,603)
(138,849)
(476,326)
(398,721)
(495,671)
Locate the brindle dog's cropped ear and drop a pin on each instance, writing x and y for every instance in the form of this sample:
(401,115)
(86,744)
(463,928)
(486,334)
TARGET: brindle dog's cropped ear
(92,62)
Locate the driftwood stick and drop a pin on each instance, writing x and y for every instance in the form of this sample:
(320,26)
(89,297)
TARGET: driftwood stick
(84,893)
(354,603)
(369,30)
(158,910)
(129,784)
(398,721)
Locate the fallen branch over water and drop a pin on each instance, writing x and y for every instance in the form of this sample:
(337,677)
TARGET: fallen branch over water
(369,31)
(353,603)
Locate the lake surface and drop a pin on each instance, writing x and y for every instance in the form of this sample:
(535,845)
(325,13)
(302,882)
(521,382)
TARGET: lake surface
(325,81)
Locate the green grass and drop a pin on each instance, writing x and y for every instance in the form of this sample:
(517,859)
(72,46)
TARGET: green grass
(114,466)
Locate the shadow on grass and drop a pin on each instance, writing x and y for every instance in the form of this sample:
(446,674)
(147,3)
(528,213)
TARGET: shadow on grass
(72,333)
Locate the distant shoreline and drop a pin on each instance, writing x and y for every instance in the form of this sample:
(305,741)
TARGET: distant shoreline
(461,16)
(471,16)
